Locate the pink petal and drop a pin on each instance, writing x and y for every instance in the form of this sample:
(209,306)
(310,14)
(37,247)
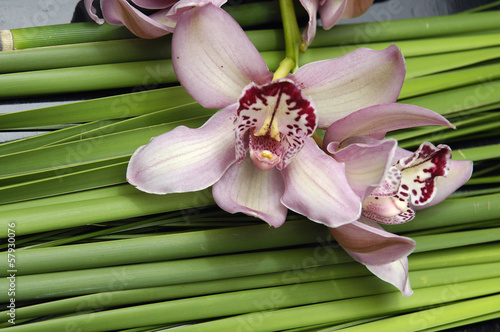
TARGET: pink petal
(458,174)
(369,244)
(376,121)
(120,12)
(154,4)
(311,7)
(331,12)
(213,58)
(359,79)
(356,8)
(92,11)
(366,163)
(244,188)
(316,186)
(181,6)
(185,159)
(395,273)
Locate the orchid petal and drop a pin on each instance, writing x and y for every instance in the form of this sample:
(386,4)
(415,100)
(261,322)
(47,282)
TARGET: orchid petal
(366,163)
(173,15)
(420,172)
(311,7)
(395,273)
(120,12)
(458,174)
(331,12)
(185,159)
(213,58)
(316,186)
(359,79)
(154,4)
(355,8)
(376,121)
(369,244)
(244,188)
(92,11)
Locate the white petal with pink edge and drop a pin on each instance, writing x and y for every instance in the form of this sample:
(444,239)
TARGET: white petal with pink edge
(244,188)
(316,186)
(213,58)
(369,244)
(359,79)
(185,159)
(376,121)
(366,162)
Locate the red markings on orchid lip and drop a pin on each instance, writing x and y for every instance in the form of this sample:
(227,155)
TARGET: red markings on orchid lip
(276,111)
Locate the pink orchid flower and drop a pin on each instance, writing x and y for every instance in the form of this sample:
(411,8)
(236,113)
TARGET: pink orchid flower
(330,12)
(391,182)
(272,120)
(162,22)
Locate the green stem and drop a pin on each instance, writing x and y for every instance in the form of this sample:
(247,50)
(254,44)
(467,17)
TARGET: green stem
(291,31)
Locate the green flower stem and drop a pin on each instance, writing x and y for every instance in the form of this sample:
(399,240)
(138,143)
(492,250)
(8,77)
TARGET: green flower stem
(451,79)
(291,32)
(169,247)
(463,322)
(114,107)
(282,297)
(458,99)
(156,294)
(435,317)
(98,209)
(350,309)
(81,282)
(108,76)
(85,54)
(67,34)
(478,153)
(389,30)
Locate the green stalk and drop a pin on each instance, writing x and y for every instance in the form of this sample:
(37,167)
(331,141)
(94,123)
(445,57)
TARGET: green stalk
(93,149)
(291,33)
(169,247)
(85,54)
(73,33)
(312,276)
(350,309)
(139,74)
(435,317)
(478,153)
(113,107)
(463,322)
(459,99)
(389,30)
(449,80)
(264,299)
(98,209)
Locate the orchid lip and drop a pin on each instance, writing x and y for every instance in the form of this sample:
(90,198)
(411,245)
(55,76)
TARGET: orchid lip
(274,118)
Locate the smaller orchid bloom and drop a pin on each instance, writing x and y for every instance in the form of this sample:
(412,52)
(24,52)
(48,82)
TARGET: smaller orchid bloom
(257,151)
(391,182)
(330,12)
(160,23)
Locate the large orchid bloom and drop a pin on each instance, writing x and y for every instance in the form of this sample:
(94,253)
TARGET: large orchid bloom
(330,12)
(270,120)
(391,182)
(160,23)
